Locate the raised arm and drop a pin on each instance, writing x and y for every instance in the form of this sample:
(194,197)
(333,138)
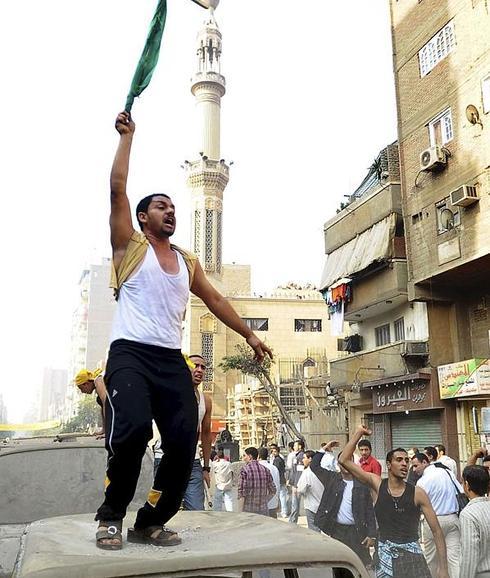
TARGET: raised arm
(220,307)
(473,459)
(120,220)
(422,500)
(346,460)
(325,476)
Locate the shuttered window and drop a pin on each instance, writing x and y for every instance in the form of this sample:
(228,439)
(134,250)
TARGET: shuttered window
(418,428)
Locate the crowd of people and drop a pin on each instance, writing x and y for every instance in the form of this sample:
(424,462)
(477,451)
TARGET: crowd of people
(418,520)
(420,502)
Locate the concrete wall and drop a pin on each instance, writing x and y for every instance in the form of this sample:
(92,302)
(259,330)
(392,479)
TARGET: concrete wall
(455,82)
(53,479)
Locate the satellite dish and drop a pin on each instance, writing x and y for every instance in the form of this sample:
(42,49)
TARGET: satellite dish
(447,219)
(472,114)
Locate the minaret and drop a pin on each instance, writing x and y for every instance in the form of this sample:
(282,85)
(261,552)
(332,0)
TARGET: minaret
(208,176)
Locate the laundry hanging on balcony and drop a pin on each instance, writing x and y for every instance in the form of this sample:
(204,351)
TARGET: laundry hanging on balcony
(336,298)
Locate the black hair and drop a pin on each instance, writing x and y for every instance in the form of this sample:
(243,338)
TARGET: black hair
(291,445)
(440,448)
(486,458)
(364,444)
(220,454)
(196,355)
(477,478)
(421,457)
(252,452)
(263,453)
(431,452)
(301,443)
(309,454)
(142,206)
(391,453)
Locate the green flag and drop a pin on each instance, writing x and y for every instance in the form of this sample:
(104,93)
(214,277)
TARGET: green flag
(149,57)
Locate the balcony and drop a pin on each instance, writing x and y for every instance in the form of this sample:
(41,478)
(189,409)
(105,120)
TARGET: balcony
(361,215)
(393,359)
(379,292)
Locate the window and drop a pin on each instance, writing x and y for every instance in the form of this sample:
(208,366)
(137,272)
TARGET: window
(197,232)
(438,47)
(485,91)
(382,335)
(207,348)
(399,329)
(257,323)
(441,128)
(208,240)
(446,218)
(307,325)
(219,226)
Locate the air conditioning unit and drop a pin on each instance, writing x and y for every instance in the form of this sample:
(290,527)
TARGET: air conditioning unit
(415,348)
(353,343)
(432,159)
(463,196)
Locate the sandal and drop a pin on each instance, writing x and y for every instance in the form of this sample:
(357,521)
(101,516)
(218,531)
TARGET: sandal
(165,537)
(109,530)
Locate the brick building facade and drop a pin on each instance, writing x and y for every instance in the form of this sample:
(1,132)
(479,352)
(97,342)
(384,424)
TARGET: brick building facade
(442,76)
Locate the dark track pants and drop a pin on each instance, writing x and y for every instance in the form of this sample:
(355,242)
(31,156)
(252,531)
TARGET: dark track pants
(145,382)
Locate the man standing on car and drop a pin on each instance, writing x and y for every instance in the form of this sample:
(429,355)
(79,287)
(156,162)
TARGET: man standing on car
(146,375)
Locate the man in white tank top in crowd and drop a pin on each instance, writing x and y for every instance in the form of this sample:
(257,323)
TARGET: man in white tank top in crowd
(146,375)
(194,493)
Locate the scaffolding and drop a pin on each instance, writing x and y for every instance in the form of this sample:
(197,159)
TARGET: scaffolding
(303,390)
(251,413)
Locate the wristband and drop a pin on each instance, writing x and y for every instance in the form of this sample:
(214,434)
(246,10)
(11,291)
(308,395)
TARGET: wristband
(206,469)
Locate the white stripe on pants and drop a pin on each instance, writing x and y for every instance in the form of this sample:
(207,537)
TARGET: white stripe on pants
(450,528)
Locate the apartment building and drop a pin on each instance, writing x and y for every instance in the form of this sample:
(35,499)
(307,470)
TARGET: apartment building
(442,75)
(385,376)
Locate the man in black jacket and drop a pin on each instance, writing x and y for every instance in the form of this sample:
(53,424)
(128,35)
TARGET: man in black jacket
(346,510)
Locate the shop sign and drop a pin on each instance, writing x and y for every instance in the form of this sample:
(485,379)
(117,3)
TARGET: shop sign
(470,377)
(404,396)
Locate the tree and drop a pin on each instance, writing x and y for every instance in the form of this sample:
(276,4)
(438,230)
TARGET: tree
(88,415)
(245,362)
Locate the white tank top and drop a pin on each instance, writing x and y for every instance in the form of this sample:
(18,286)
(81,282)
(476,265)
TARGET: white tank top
(201,411)
(152,303)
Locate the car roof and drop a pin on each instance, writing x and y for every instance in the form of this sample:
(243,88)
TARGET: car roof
(211,542)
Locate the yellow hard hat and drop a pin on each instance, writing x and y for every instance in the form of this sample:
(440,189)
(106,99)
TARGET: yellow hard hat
(85,375)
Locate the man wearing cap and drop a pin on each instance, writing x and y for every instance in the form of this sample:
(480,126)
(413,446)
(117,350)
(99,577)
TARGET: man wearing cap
(90,381)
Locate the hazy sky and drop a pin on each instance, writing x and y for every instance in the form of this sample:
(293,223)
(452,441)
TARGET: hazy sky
(309,104)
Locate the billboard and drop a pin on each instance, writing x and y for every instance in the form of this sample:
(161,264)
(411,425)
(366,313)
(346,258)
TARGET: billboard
(464,378)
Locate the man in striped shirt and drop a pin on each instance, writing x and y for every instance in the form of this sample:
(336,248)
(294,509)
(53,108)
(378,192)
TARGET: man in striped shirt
(475,524)
(256,486)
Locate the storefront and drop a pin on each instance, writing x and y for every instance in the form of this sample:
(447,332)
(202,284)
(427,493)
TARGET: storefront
(407,412)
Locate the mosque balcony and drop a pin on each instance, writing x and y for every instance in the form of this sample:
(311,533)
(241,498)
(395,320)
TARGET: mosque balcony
(207,172)
(209,77)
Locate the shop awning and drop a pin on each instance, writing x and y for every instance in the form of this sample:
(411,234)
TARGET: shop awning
(397,380)
(368,247)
